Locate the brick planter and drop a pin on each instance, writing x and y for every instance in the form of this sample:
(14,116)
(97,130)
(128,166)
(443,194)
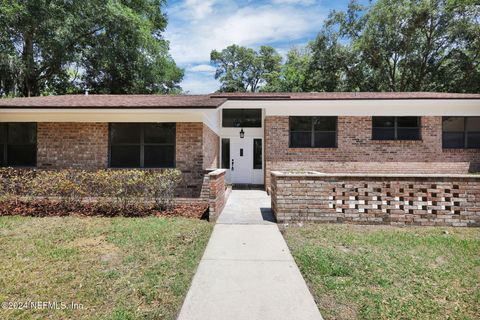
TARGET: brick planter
(427,200)
(217,196)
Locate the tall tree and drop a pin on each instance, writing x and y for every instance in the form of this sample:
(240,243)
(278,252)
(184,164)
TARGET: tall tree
(244,69)
(44,40)
(399,45)
(293,73)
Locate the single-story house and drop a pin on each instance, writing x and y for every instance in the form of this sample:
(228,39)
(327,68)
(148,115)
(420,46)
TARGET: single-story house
(249,134)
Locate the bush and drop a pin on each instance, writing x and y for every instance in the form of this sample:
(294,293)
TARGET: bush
(108,191)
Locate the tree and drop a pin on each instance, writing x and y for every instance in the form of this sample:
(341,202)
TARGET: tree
(113,46)
(399,45)
(293,73)
(244,69)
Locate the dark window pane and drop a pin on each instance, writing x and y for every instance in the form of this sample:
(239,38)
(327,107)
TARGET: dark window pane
(473,139)
(3,133)
(408,134)
(252,118)
(22,133)
(226,153)
(125,132)
(21,155)
(408,122)
(2,154)
(300,139)
(301,123)
(125,156)
(160,133)
(325,140)
(383,122)
(325,123)
(453,124)
(235,118)
(159,156)
(473,124)
(231,118)
(453,140)
(257,153)
(383,134)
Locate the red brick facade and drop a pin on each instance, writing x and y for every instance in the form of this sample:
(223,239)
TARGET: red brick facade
(357,152)
(211,148)
(72,145)
(85,145)
(217,197)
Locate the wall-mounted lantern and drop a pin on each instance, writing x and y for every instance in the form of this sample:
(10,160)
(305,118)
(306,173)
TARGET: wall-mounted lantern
(242,134)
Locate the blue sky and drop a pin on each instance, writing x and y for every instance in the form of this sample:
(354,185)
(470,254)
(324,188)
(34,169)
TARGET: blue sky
(196,27)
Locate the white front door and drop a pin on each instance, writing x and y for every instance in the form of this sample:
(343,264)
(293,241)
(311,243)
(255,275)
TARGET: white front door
(241,154)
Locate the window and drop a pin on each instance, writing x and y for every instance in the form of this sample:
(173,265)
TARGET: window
(225,153)
(396,128)
(142,145)
(257,153)
(313,132)
(18,144)
(461,132)
(237,118)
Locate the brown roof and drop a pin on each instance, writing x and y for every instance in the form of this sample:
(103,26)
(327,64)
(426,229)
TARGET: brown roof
(211,101)
(344,95)
(115,101)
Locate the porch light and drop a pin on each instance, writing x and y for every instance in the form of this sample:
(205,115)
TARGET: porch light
(242,134)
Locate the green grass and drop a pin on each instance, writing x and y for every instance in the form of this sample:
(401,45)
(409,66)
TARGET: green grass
(373,272)
(116,268)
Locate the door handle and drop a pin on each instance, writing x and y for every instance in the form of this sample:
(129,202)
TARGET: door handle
(232,165)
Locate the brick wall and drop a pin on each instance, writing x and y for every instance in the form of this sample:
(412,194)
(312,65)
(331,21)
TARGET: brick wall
(217,198)
(425,200)
(356,151)
(211,148)
(85,145)
(77,145)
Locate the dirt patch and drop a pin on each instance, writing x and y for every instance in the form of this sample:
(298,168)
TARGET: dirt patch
(99,246)
(336,309)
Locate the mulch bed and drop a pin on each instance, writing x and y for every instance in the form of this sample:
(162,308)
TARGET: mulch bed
(47,208)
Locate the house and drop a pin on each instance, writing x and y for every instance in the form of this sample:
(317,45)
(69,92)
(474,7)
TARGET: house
(250,134)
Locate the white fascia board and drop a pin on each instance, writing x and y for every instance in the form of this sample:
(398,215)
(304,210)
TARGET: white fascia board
(404,107)
(207,116)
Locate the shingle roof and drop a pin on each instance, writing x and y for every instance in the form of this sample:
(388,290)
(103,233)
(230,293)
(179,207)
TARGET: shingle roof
(115,101)
(211,101)
(345,95)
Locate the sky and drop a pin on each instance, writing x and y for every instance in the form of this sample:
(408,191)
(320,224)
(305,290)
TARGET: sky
(196,27)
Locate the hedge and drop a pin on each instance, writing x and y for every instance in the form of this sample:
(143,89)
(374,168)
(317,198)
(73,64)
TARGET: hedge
(125,191)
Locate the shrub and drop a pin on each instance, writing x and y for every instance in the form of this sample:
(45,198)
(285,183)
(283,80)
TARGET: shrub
(109,191)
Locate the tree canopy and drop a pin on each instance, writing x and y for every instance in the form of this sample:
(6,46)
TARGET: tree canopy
(243,69)
(389,45)
(56,46)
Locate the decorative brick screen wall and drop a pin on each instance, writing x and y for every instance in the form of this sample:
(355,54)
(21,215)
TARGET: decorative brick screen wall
(358,153)
(427,200)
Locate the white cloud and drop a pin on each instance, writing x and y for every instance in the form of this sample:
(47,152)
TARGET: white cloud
(198,9)
(199,83)
(196,27)
(202,68)
(192,41)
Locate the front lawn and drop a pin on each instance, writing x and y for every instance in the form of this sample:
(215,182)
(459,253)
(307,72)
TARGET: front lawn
(380,272)
(110,268)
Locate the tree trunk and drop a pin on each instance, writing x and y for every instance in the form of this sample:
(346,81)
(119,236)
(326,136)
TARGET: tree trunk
(29,87)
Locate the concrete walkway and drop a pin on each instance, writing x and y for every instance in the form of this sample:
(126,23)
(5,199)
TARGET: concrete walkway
(247,271)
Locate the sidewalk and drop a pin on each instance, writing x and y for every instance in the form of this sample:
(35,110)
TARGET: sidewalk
(247,271)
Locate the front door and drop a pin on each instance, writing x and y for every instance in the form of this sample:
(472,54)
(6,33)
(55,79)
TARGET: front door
(241,153)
